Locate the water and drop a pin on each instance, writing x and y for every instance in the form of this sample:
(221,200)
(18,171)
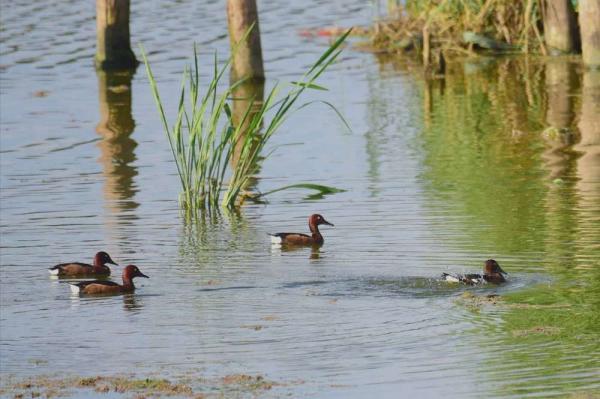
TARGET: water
(440,176)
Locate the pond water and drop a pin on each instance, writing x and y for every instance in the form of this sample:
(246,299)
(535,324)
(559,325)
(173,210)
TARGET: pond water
(499,160)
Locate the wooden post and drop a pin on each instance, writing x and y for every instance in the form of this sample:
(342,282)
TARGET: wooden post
(247,62)
(560,27)
(589,22)
(248,95)
(113,48)
(426,46)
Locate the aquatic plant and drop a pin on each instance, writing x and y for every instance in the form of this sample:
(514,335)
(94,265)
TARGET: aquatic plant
(208,145)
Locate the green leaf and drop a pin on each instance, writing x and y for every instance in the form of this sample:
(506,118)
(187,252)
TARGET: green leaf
(309,186)
(309,85)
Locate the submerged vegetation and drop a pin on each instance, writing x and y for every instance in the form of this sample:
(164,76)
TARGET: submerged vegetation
(210,143)
(232,385)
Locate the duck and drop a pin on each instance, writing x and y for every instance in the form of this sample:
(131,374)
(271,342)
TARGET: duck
(492,273)
(303,239)
(98,268)
(109,287)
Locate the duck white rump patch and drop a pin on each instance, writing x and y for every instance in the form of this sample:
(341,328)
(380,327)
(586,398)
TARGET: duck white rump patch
(54,272)
(275,239)
(74,288)
(451,278)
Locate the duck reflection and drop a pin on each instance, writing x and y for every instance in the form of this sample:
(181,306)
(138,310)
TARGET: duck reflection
(130,302)
(315,250)
(117,147)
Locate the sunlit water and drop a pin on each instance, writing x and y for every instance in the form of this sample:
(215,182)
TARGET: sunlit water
(439,177)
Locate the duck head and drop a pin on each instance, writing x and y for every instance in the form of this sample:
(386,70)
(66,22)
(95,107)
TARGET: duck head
(103,258)
(316,219)
(132,271)
(492,267)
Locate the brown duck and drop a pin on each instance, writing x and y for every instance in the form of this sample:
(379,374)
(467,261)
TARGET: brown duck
(109,287)
(99,267)
(303,239)
(492,273)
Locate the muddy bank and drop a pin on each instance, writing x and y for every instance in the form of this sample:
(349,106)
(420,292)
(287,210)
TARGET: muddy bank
(233,385)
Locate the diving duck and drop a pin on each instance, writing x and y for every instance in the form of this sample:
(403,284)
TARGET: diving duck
(492,273)
(303,239)
(99,267)
(109,287)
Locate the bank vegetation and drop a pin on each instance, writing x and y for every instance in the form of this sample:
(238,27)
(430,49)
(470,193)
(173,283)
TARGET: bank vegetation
(437,29)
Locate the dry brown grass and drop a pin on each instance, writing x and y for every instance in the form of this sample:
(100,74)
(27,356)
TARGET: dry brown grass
(441,24)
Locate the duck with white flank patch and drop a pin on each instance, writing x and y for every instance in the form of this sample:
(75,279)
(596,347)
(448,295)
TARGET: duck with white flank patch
(109,287)
(99,267)
(492,273)
(303,239)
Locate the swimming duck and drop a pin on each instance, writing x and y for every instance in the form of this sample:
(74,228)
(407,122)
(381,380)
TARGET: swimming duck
(109,287)
(303,239)
(492,273)
(99,267)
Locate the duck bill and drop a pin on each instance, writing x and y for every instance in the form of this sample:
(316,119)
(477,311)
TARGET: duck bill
(327,223)
(140,274)
(112,262)
(502,271)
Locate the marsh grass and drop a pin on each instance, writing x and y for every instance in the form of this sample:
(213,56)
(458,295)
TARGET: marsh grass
(460,26)
(208,146)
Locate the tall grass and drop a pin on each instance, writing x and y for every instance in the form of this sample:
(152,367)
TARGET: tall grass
(204,136)
(513,23)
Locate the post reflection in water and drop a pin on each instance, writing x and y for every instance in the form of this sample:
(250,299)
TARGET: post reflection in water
(117,147)
(560,133)
(588,165)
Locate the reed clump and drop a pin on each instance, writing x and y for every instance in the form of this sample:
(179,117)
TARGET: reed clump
(216,155)
(461,26)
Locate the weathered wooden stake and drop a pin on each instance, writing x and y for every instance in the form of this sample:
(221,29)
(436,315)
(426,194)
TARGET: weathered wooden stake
(589,22)
(247,62)
(248,95)
(426,46)
(560,27)
(113,48)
